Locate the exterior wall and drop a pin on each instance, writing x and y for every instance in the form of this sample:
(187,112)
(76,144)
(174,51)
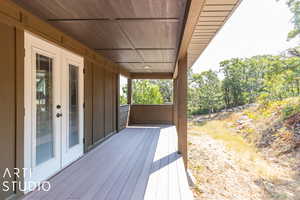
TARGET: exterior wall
(110,102)
(100,103)
(7,102)
(100,92)
(88,101)
(151,114)
(98,110)
(124,116)
(11,102)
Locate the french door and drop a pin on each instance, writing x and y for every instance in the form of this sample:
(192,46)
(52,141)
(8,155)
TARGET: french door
(72,119)
(53,108)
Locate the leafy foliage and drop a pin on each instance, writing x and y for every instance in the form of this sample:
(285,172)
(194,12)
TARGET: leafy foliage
(263,78)
(205,92)
(294,6)
(165,88)
(290,109)
(151,92)
(123,95)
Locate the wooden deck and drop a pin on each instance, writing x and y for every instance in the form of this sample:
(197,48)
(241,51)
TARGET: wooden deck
(138,163)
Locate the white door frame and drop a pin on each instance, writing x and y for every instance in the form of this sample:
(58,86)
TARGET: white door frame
(32,46)
(62,154)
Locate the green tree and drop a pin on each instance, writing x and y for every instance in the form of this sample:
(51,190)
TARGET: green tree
(165,88)
(123,96)
(205,92)
(266,78)
(245,79)
(294,6)
(145,92)
(282,78)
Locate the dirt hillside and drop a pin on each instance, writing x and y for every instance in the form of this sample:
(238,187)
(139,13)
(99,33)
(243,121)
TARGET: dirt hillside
(250,152)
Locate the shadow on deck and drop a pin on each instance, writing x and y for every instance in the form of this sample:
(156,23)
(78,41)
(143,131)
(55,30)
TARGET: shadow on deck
(141,162)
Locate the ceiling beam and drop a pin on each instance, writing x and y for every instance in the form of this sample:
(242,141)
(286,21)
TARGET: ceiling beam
(148,19)
(193,10)
(116,19)
(144,62)
(151,75)
(142,49)
(78,19)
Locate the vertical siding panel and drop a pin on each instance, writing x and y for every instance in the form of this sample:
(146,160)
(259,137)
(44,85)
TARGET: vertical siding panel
(98,104)
(102,100)
(108,103)
(7,103)
(88,101)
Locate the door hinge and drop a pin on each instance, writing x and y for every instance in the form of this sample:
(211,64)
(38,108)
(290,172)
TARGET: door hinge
(83,140)
(84,70)
(83,105)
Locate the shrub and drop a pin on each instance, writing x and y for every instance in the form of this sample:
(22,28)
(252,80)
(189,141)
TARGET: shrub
(289,110)
(264,98)
(251,115)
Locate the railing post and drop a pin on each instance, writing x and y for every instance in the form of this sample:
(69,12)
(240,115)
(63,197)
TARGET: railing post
(182,107)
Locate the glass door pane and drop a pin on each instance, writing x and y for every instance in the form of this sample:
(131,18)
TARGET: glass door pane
(73,106)
(44,109)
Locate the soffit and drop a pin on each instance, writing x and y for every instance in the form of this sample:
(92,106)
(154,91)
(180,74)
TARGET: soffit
(140,35)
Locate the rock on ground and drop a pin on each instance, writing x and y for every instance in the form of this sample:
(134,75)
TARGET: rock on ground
(220,177)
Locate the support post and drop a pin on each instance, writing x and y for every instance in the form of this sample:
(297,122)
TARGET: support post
(182,108)
(129,92)
(129,98)
(175,117)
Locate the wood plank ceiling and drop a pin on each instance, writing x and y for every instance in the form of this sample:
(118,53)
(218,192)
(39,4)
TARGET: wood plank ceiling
(140,35)
(211,19)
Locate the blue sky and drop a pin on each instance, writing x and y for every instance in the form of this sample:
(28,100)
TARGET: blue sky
(257,27)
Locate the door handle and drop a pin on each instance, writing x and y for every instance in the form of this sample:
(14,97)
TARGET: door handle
(58,115)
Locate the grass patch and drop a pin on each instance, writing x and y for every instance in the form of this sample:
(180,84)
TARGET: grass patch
(246,154)
(219,130)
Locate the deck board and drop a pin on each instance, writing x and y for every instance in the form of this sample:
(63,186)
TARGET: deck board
(141,162)
(174,185)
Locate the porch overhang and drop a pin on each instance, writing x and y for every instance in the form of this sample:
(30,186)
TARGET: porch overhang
(203,20)
(151,75)
(146,37)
